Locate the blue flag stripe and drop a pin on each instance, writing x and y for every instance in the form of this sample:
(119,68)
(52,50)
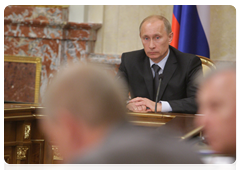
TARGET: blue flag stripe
(192,38)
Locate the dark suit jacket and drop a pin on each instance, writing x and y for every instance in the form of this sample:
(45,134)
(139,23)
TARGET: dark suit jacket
(178,86)
(126,144)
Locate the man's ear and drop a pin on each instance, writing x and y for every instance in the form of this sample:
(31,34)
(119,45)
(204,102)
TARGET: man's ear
(71,127)
(67,121)
(170,37)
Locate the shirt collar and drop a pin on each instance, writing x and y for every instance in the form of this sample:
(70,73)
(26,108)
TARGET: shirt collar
(162,63)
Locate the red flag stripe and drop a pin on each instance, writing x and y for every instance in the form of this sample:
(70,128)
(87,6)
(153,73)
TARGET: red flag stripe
(175,30)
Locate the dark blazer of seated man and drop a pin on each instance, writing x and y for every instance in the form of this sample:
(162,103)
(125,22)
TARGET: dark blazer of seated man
(177,91)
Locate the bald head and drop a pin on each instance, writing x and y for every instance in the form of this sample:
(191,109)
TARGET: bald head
(217,104)
(88,92)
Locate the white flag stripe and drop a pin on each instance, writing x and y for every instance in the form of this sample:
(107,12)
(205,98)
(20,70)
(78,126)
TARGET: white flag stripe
(204,15)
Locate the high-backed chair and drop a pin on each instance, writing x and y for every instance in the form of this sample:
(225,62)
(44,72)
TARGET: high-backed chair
(207,64)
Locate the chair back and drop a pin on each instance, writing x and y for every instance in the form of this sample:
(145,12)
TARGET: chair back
(207,64)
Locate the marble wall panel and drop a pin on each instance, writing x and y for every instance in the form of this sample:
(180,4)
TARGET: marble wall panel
(48,49)
(26,12)
(81,34)
(73,51)
(31,47)
(19,82)
(45,48)
(81,31)
(110,60)
(73,31)
(32,30)
(43,32)
(105,58)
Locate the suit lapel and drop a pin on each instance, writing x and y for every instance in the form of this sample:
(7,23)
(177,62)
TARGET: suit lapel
(147,75)
(168,71)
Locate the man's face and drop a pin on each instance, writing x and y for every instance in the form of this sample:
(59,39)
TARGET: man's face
(155,39)
(217,103)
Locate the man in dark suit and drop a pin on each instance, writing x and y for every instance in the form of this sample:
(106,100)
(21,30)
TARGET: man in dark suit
(86,118)
(141,71)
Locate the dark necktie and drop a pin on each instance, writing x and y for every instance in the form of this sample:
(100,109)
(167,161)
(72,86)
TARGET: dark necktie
(156,69)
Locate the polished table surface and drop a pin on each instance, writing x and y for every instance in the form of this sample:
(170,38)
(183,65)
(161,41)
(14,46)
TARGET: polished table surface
(184,123)
(180,122)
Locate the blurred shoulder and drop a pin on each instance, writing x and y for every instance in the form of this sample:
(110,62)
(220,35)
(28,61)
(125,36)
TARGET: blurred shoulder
(130,144)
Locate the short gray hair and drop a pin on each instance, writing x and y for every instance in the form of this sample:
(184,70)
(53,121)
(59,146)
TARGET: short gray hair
(88,92)
(160,17)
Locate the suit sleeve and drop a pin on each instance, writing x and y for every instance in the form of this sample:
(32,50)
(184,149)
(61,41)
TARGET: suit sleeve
(189,104)
(122,76)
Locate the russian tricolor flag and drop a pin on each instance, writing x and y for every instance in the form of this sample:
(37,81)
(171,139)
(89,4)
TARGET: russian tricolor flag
(191,28)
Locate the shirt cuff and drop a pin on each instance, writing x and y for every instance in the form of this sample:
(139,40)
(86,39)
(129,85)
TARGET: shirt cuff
(165,106)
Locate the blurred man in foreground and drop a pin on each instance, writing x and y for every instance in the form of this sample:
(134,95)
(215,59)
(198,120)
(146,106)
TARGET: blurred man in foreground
(217,108)
(85,117)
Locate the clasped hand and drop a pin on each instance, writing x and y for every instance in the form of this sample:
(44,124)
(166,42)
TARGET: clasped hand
(140,104)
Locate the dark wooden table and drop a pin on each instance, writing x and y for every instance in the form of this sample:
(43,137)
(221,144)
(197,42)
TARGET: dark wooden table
(180,122)
(25,143)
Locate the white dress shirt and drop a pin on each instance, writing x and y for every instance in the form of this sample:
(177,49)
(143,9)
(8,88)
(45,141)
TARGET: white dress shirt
(165,105)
